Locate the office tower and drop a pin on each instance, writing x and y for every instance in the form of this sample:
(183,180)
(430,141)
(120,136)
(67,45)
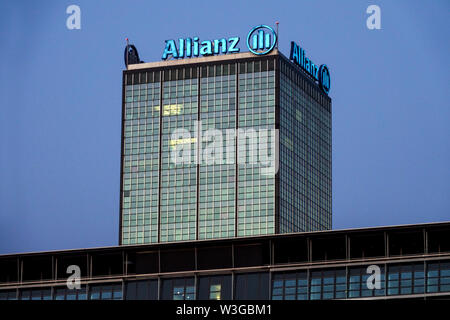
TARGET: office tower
(163,201)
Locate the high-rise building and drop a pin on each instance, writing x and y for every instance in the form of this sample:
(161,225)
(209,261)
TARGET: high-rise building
(250,95)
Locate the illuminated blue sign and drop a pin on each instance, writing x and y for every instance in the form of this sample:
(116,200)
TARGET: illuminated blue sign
(324,78)
(261,39)
(194,48)
(321,74)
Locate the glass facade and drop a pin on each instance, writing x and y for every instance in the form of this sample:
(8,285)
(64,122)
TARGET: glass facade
(178,203)
(256,191)
(140,164)
(305,153)
(217,209)
(402,279)
(164,201)
(396,279)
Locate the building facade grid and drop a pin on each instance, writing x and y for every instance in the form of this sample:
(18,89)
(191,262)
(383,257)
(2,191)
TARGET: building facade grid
(163,202)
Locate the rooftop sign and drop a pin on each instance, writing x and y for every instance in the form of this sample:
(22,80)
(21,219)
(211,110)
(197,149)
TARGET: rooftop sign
(320,74)
(261,40)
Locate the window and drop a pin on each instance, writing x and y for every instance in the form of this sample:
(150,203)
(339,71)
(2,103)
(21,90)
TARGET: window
(438,277)
(328,284)
(214,287)
(357,283)
(142,290)
(214,292)
(183,293)
(36,294)
(406,279)
(290,286)
(178,289)
(8,295)
(106,292)
(252,286)
(64,293)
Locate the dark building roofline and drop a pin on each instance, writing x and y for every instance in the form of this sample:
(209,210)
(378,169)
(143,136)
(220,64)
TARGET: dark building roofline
(220,241)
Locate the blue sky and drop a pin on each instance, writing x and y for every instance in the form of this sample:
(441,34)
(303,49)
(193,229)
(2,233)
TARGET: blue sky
(60,110)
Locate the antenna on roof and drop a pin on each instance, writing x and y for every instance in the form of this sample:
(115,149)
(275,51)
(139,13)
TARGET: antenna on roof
(278,37)
(128,47)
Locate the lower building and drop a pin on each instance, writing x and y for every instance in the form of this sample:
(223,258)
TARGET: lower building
(409,261)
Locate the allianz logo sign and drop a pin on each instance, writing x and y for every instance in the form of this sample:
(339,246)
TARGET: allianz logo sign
(193,47)
(260,40)
(320,74)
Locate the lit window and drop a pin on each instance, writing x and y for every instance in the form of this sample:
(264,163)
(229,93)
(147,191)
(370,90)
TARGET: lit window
(214,292)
